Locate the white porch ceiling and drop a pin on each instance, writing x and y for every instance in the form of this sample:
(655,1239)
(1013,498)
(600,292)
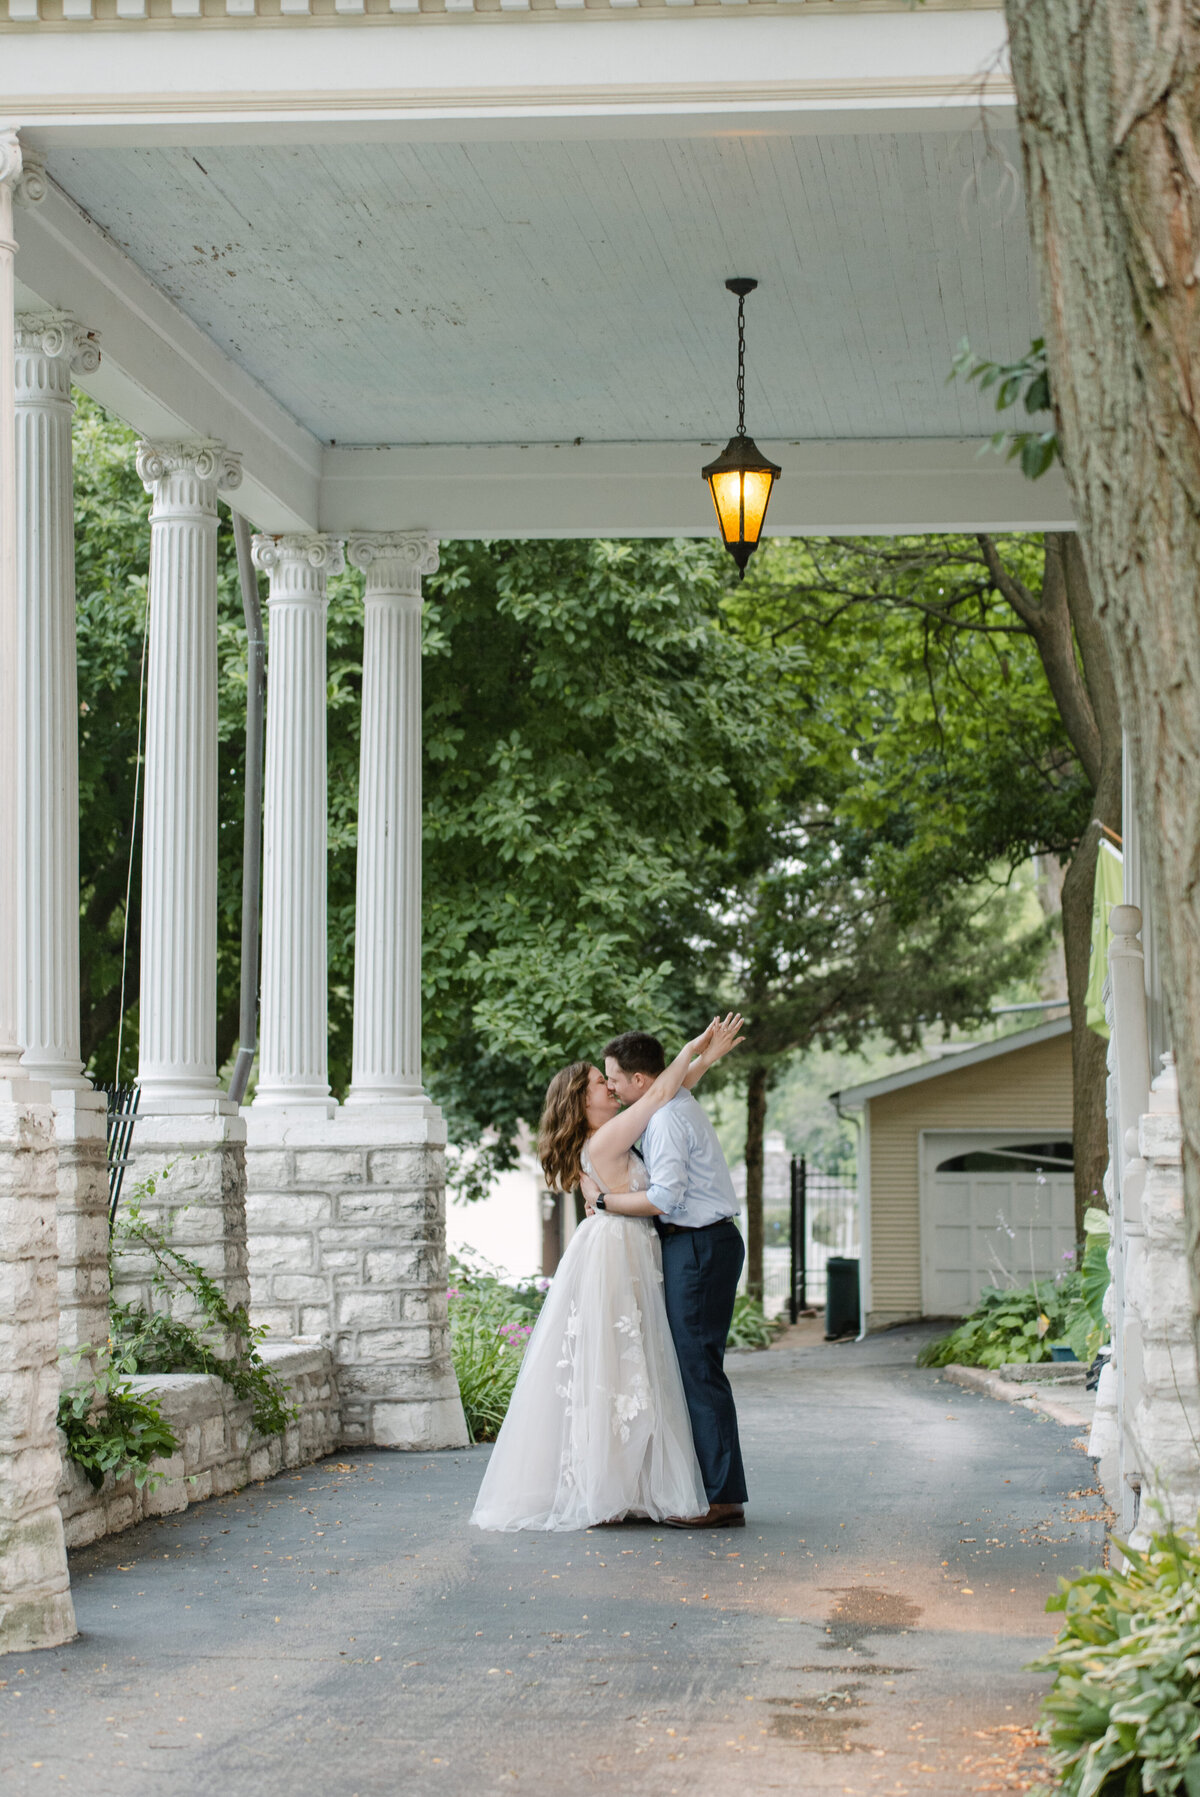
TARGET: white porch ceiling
(466,271)
(543,292)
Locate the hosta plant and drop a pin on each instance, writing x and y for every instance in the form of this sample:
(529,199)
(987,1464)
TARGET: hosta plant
(1123,1716)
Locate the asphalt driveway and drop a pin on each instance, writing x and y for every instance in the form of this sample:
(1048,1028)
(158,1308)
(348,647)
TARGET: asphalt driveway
(342,1632)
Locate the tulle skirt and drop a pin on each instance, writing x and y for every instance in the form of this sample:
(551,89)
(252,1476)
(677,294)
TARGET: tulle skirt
(598,1424)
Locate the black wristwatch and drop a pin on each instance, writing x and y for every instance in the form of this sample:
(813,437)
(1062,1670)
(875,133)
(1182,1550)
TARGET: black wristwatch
(598,1201)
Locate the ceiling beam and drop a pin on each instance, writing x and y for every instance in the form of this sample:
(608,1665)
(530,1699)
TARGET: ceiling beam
(655,490)
(158,372)
(582,72)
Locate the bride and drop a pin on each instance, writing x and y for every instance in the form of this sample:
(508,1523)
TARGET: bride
(598,1426)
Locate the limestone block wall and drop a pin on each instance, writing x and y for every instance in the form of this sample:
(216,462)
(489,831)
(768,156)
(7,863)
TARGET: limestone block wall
(348,1243)
(80,1137)
(218,1449)
(1165,1424)
(201,1205)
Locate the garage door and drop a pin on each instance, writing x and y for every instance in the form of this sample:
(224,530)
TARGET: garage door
(996,1209)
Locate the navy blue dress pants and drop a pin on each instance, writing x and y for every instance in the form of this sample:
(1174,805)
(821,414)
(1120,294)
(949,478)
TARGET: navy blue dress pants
(701,1268)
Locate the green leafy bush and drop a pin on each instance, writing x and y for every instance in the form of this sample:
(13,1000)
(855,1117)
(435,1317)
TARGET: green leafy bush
(750,1327)
(1086,1327)
(490,1323)
(1123,1717)
(1007,1327)
(111,1429)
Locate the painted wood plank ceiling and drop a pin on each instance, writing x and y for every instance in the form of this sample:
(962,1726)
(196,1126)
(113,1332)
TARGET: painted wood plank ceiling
(540,292)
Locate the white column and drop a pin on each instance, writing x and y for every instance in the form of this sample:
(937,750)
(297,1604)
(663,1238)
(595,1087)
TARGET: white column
(387,941)
(49,348)
(35,1596)
(293,1056)
(178,1002)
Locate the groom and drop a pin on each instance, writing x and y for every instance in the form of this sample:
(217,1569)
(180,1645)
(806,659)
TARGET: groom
(702,1255)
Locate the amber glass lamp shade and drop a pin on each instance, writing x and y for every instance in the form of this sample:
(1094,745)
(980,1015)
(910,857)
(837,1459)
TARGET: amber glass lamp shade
(740,481)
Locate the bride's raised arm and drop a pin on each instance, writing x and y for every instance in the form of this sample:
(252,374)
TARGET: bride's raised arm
(619,1134)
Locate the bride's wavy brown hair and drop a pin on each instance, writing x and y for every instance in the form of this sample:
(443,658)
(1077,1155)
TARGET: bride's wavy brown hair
(564,1127)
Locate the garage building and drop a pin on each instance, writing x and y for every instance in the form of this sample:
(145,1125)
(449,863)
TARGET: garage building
(965,1175)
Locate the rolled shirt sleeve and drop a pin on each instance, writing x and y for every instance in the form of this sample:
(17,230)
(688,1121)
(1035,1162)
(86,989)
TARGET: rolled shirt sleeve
(670,1136)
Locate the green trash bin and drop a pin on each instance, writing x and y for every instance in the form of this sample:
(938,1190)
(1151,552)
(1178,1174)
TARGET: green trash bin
(841,1298)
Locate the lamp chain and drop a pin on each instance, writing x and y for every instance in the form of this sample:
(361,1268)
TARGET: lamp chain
(741,384)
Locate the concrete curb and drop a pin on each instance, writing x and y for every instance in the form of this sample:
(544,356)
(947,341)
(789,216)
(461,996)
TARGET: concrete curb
(978,1378)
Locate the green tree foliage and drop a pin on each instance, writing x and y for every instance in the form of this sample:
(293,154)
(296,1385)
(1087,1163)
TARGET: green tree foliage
(934,758)
(596,744)
(594,739)
(940,735)
(637,788)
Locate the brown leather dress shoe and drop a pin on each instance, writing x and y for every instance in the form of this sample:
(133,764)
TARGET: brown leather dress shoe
(717,1516)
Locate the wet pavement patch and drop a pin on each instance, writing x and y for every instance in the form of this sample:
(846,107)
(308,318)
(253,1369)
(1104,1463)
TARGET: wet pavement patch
(823,1722)
(859,1611)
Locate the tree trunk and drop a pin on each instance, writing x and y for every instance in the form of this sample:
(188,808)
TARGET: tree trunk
(756,1117)
(1108,98)
(1089,1052)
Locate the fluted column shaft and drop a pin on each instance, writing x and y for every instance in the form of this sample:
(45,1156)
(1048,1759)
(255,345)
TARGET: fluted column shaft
(293,1061)
(387,952)
(178,1002)
(10,1053)
(35,1595)
(48,349)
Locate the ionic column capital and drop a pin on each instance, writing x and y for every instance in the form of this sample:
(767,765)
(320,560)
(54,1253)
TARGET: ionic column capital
(190,473)
(21,169)
(298,563)
(393,560)
(56,338)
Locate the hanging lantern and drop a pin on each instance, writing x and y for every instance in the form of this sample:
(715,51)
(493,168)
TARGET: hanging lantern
(741,478)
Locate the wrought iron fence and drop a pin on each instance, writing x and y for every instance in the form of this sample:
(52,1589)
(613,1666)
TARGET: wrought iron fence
(122,1112)
(822,1222)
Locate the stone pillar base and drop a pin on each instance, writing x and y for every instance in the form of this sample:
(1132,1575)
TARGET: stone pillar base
(35,1593)
(80,1134)
(1165,1421)
(201,1204)
(348,1244)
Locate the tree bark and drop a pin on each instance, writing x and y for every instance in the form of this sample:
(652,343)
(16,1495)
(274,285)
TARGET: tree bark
(756,1117)
(1108,96)
(1079,674)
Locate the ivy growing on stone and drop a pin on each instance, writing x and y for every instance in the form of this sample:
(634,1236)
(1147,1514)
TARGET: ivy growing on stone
(110,1427)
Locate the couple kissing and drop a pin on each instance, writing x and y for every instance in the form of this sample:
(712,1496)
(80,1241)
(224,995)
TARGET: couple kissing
(622,1407)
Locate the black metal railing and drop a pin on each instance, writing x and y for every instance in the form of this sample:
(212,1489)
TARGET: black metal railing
(122,1113)
(824,1225)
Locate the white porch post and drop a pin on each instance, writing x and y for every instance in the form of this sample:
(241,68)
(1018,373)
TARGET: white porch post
(49,348)
(293,1061)
(185,1121)
(347,1211)
(35,1596)
(178,1003)
(387,953)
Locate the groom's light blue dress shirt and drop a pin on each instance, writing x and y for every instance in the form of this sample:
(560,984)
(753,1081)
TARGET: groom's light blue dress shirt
(689,1181)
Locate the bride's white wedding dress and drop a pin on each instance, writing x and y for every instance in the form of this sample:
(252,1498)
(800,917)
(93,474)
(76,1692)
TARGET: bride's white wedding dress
(598,1424)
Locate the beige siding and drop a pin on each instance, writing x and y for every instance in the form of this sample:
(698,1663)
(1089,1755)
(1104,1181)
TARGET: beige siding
(1028,1089)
